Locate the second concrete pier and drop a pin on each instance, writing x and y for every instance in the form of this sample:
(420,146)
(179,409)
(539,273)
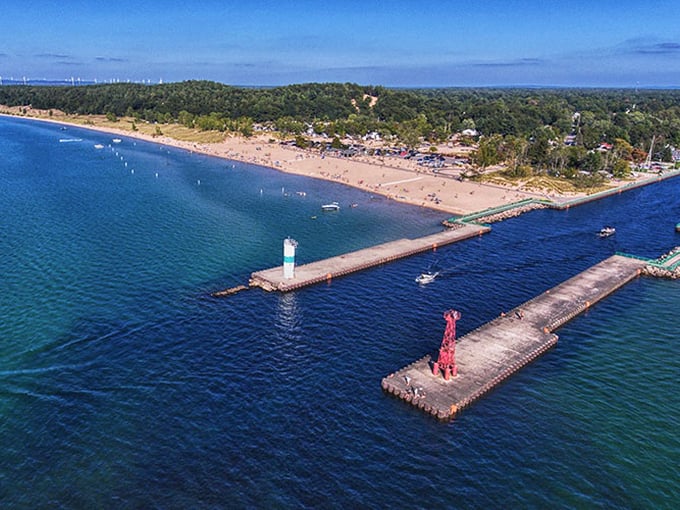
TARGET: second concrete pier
(327,269)
(493,352)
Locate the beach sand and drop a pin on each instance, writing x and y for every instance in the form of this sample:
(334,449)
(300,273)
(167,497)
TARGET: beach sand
(391,176)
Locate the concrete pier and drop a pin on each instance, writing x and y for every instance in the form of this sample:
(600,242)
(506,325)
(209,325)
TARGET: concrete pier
(327,269)
(488,355)
(666,266)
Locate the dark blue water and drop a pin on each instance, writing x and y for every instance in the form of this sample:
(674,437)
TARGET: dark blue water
(124,385)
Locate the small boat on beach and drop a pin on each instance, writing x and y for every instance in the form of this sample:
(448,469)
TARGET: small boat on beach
(333,206)
(425,278)
(606,231)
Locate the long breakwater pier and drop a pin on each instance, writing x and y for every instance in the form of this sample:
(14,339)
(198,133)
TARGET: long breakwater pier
(490,354)
(325,270)
(458,229)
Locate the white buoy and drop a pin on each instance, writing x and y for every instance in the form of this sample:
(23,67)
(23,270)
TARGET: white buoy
(289,246)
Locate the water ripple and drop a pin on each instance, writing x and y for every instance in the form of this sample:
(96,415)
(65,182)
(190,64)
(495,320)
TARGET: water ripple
(122,383)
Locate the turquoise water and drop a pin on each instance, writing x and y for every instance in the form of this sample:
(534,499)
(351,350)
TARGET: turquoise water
(124,385)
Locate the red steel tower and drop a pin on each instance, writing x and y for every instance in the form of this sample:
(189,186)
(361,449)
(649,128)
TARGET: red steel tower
(447,351)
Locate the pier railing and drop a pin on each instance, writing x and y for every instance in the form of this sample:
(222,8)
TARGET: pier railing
(670,261)
(474,217)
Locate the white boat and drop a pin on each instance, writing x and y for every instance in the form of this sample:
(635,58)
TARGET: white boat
(606,231)
(116,140)
(99,146)
(333,206)
(425,278)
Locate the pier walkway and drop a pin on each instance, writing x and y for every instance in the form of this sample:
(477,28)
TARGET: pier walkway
(488,355)
(513,209)
(671,262)
(327,269)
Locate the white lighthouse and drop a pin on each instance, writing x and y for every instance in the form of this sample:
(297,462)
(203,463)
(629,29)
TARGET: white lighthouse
(289,246)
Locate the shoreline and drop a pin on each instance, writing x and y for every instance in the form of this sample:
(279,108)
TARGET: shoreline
(392,177)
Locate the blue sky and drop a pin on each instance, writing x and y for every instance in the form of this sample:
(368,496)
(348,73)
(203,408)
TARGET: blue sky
(394,43)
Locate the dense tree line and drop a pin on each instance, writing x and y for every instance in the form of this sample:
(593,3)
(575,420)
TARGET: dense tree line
(603,115)
(525,128)
(198,98)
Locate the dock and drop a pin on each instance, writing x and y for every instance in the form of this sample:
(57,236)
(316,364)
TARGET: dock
(490,354)
(334,267)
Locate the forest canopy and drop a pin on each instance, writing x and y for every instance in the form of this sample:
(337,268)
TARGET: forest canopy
(527,129)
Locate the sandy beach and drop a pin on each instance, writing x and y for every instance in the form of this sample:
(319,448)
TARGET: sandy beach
(394,177)
(391,176)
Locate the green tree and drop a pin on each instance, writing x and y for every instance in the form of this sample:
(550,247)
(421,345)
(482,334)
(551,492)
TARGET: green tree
(538,151)
(468,124)
(186,119)
(245,126)
(301,142)
(212,122)
(593,162)
(557,160)
(515,154)
(288,125)
(489,151)
(409,133)
(622,149)
(621,169)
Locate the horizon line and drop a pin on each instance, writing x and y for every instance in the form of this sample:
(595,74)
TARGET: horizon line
(72,81)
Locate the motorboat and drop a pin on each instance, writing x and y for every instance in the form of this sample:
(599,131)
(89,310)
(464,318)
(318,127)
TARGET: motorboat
(425,278)
(677,227)
(333,206)
(606,231)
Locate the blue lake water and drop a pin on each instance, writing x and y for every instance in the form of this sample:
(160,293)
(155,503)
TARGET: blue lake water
(123,384)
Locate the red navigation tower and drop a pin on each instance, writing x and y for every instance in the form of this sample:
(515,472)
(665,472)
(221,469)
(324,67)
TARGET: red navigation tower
(447,351)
